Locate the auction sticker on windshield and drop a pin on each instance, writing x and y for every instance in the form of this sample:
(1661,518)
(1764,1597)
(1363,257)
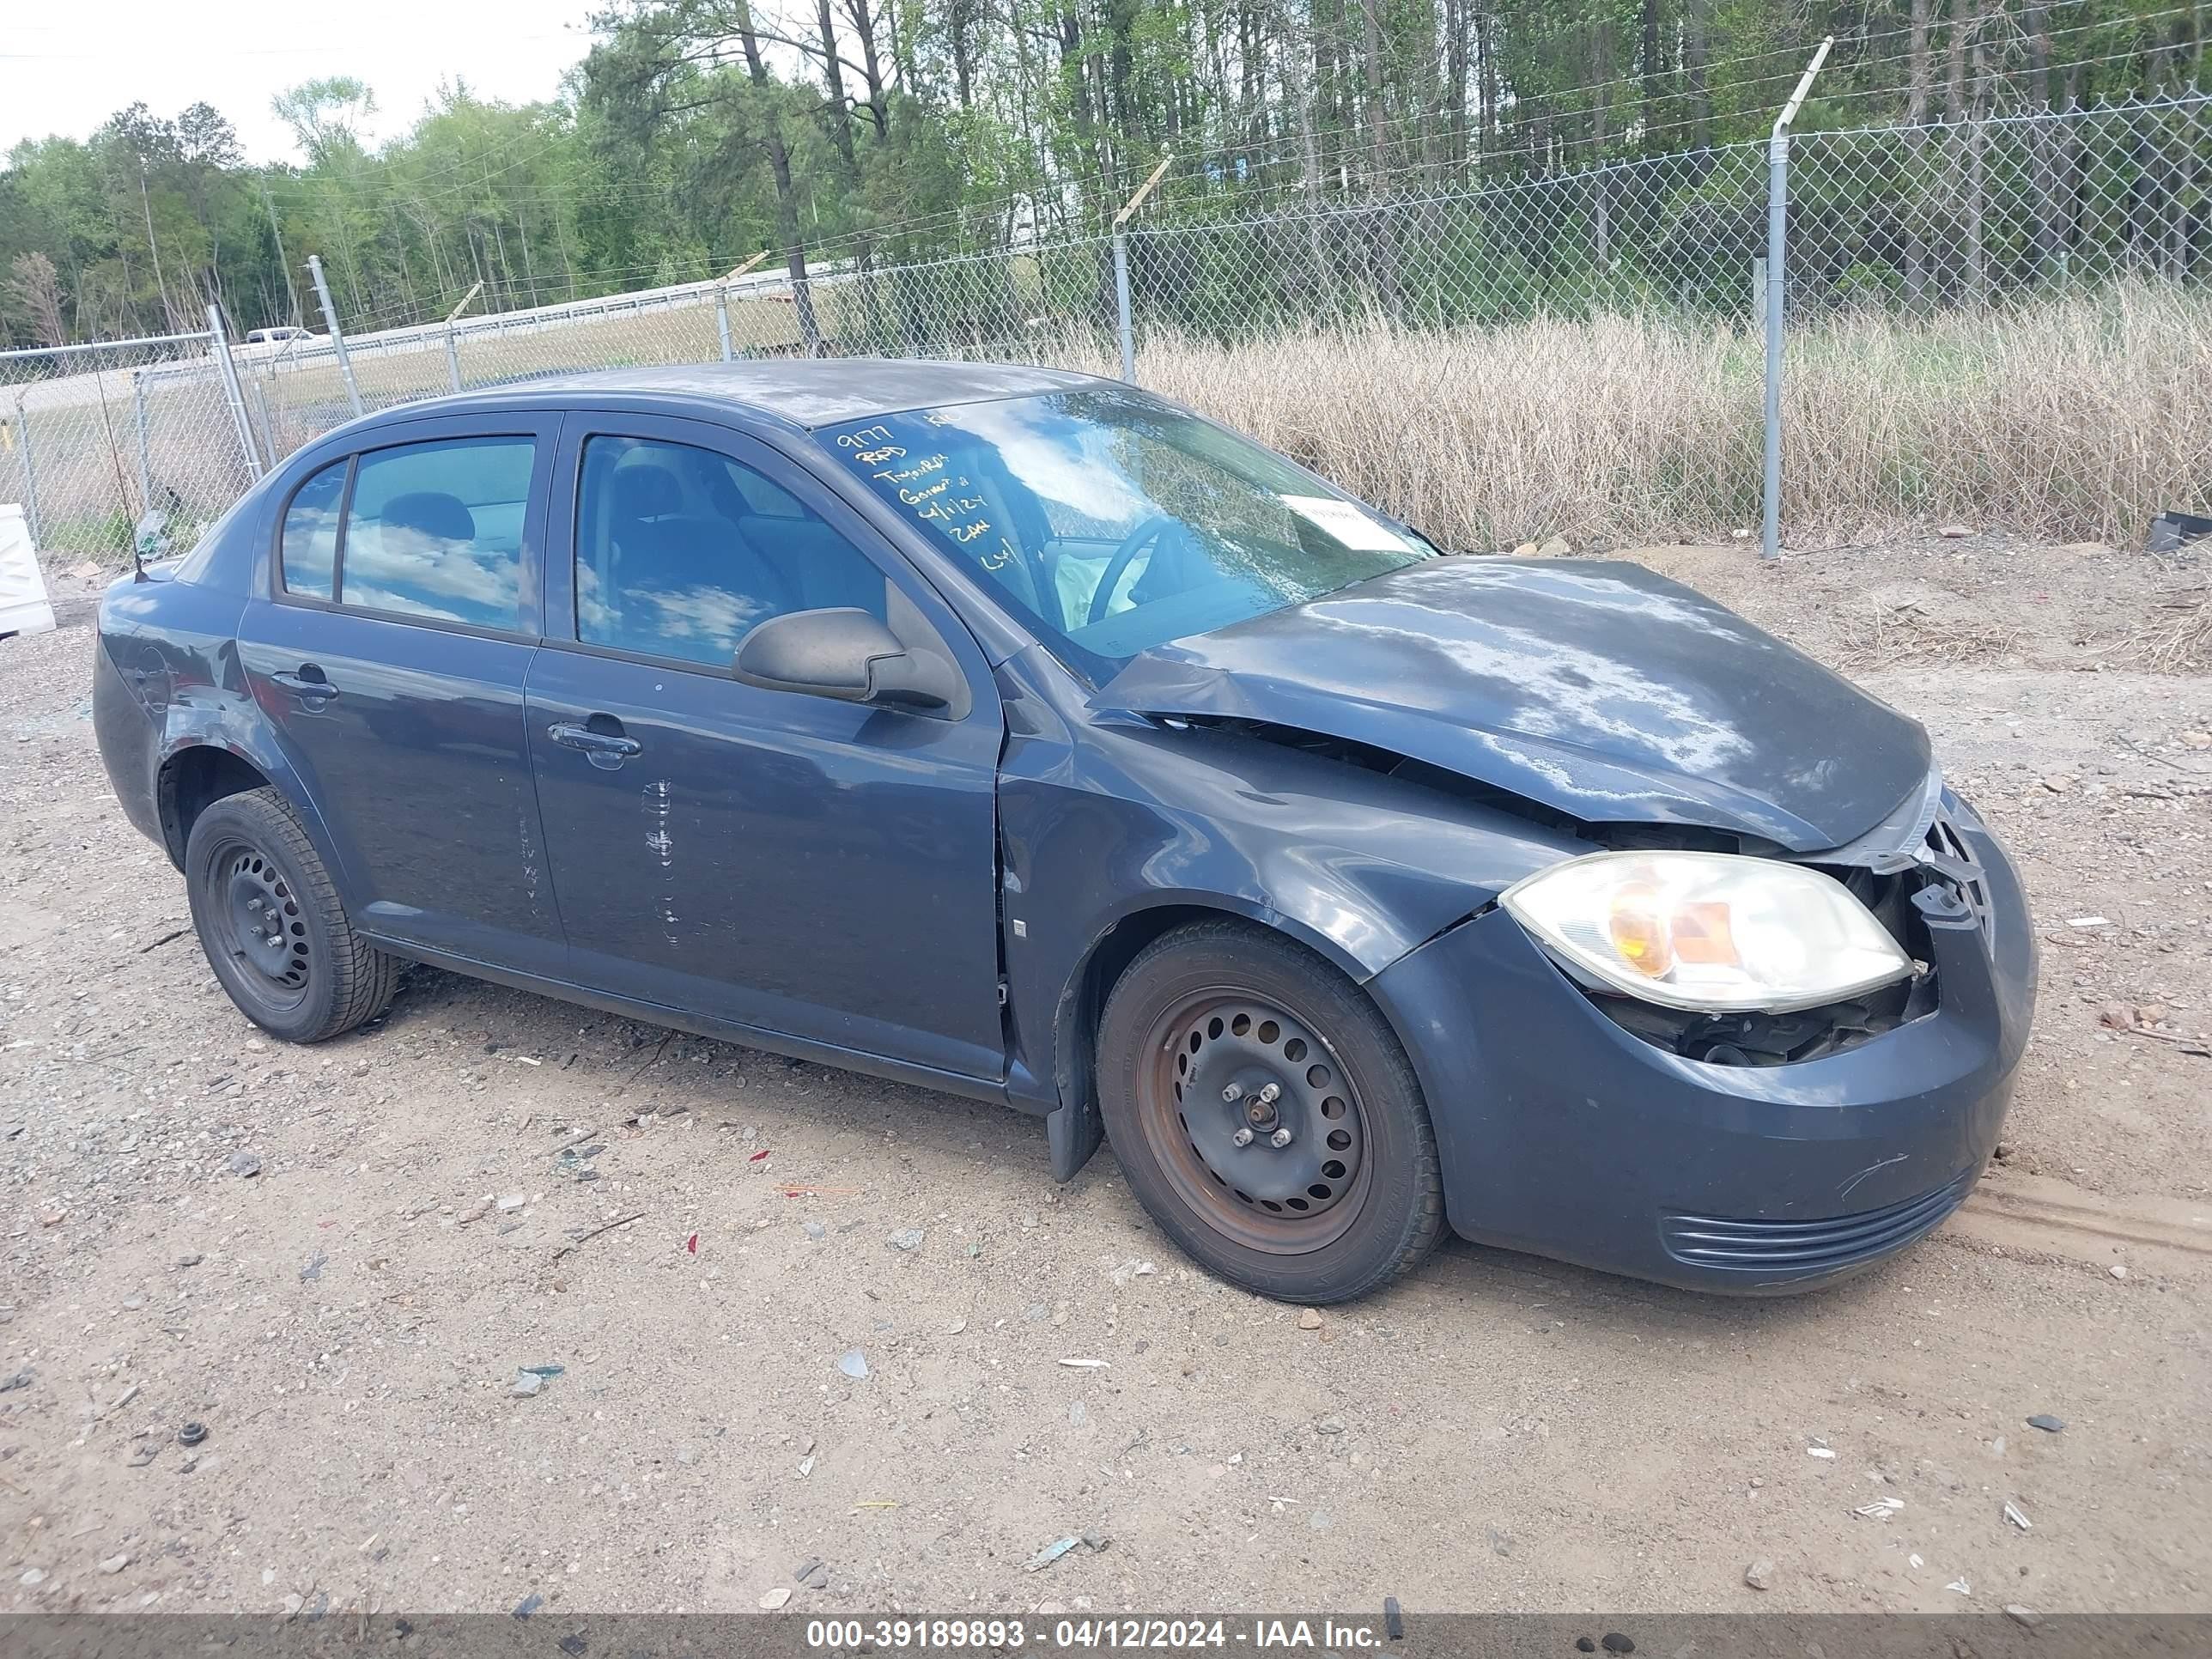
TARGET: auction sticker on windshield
(1348,524)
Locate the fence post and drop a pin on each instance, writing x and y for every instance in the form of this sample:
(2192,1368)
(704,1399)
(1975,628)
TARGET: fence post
(722,304)
(219,347)
(337,334)
(1126,326)
(1778,255)
(452,343)
(30,472)
(138,419)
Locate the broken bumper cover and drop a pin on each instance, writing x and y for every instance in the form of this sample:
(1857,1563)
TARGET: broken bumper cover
(1562,1133)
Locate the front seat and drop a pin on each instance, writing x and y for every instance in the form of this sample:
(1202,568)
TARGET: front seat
(683,576)
(637,496)
(419,554)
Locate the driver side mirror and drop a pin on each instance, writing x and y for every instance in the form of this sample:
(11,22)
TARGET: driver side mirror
(847,654)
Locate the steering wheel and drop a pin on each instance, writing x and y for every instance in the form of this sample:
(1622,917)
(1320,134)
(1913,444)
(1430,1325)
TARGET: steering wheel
(1132,544)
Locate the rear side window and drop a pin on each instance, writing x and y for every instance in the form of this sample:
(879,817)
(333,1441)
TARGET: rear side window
(435,529)
(311,533)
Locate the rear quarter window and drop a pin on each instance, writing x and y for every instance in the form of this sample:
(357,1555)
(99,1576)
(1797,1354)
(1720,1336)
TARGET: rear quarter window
(311,533)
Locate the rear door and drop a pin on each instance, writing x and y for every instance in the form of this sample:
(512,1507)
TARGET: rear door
(390,649)
(787,862)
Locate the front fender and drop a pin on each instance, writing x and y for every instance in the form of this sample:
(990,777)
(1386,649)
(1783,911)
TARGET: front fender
(1108,833)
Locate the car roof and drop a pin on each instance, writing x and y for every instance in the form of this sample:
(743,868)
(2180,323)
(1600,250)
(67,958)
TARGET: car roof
(804,393)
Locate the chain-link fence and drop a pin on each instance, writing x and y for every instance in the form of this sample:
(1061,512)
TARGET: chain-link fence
(1923,224)
(1920,219)
(93,438)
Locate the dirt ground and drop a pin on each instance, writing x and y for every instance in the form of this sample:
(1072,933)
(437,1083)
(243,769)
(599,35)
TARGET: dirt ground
(1497,1433)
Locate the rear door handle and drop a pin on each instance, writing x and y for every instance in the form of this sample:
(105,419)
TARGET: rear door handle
(607,749)
(307,684)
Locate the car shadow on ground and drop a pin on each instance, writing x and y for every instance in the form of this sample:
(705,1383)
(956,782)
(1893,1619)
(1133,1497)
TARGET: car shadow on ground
(934,1127)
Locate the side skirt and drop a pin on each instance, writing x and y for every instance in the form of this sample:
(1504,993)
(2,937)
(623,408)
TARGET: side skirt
(773,1042)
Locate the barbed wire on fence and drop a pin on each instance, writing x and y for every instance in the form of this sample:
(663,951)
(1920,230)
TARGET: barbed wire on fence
(1912,221)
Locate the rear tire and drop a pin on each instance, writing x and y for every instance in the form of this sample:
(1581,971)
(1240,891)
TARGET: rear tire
(268,916)
(1200,1027)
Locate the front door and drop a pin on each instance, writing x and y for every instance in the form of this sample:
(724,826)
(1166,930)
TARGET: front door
(786,862)
(390,651)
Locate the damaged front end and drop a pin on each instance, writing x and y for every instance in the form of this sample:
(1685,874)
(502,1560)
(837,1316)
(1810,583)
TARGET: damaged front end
(1914,865)
(1914,850)
(1810,1143)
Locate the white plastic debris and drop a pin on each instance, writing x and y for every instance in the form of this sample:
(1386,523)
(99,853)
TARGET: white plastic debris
(2012,1513)
(2089,921)
(24,608)
(1879,1507)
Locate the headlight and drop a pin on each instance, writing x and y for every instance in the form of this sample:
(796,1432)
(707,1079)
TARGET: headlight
(1716,932)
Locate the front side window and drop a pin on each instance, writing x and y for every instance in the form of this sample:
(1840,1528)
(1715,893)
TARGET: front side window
(1109,523)
(681,552)
(310,544)
(435,529)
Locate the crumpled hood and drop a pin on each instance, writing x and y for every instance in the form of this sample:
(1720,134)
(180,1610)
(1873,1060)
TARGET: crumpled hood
(1597,690)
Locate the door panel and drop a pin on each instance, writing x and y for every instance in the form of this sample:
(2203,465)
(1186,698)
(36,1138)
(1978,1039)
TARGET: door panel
(812,870)
(421,766)
(405,720)
(792,863)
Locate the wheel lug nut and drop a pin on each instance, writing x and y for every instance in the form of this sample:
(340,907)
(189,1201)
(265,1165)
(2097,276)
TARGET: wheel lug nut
(1241,1138)
(1269,1095)
(1281,1138)
(1233,1093)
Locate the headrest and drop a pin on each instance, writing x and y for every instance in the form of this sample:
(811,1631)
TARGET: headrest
(645,491)
(432,513)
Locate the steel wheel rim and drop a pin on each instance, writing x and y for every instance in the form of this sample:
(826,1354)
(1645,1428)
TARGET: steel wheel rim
(1287,1199)
(258,925)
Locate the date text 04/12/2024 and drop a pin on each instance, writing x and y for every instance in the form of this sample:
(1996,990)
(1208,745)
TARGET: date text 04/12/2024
(1006,1634)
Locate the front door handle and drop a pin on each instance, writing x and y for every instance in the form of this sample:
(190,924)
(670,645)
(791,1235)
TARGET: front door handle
(604,749)
(308,684)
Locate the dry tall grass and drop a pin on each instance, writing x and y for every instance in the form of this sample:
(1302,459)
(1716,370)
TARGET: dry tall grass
(2075,419)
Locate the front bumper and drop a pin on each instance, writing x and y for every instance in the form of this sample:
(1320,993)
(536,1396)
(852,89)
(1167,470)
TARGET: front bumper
(1561,1134)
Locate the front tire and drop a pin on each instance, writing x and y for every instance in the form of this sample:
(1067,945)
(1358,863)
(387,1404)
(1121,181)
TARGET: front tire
(268,916)
(1266,1116)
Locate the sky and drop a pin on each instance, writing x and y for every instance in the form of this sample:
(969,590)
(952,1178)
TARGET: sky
(65,69)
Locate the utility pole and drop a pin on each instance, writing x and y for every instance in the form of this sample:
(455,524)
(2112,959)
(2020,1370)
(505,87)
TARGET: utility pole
(291,293)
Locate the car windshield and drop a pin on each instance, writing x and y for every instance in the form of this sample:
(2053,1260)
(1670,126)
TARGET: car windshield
(1109,523)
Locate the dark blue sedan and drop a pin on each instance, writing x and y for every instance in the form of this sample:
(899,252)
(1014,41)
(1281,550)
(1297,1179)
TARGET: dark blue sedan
(1025,736)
